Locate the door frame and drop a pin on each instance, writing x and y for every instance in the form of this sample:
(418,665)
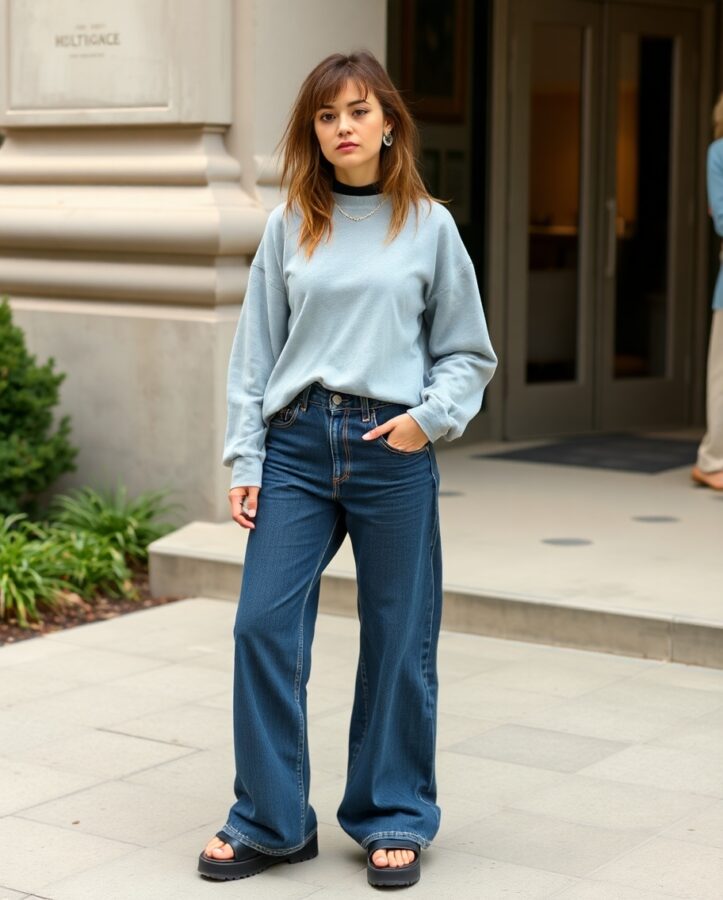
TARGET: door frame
(498,175)
(651,401)
(551,407)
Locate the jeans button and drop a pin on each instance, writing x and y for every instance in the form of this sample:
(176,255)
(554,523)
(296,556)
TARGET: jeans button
(337,398)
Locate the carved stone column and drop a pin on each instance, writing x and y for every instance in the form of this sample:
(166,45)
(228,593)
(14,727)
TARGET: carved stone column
(125,234)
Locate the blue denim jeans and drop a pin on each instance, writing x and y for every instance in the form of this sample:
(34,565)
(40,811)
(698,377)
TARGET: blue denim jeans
(320,482)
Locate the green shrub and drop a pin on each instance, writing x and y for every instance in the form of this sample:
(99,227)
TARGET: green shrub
(89,546)
(91,564)
(129,525)
(29,569)
(32,455)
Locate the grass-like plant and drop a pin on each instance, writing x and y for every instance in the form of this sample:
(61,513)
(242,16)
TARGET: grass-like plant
(29,570)
(129,525)
(91,563)
(90,545)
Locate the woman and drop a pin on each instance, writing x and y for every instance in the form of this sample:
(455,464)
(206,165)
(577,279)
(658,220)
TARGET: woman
(360,342)
(709,468)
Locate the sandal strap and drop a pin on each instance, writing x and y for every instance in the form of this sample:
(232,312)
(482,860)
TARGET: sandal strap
(392,844)
(236,845)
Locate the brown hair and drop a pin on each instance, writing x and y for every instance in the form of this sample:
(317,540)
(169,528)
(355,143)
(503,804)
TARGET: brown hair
(310,174)
(718,118)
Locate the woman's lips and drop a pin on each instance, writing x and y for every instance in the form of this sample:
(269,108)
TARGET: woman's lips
(347,147)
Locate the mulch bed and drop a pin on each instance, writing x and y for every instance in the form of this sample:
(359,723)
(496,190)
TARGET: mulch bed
(77,611)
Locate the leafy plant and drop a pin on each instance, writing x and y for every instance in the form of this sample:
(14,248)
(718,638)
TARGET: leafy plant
(29,569)
(91,563)
(32,455)
(129,525)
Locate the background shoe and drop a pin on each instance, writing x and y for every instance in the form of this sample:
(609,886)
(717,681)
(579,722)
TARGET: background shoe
(248,861)
(393,876)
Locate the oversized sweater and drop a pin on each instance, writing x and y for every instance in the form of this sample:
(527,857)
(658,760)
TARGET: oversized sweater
(401,322)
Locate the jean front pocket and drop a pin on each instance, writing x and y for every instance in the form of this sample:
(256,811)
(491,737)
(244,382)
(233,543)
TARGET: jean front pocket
(380,416)
(286,416)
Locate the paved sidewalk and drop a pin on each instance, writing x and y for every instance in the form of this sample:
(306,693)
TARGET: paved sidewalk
(561,773)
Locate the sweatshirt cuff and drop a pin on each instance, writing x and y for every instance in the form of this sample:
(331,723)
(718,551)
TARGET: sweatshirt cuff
(246,472)
(432,418)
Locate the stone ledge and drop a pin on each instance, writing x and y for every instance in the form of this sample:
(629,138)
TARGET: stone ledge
(213,568)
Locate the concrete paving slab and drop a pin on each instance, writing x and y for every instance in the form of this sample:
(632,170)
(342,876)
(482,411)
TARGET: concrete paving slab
(545,842)
(538,747)
(154,874)
(561,772)
(596,890)
(7,894)
(63,852)
(610,804)
(24,784)
(662,767)
(111,810)
(694,871)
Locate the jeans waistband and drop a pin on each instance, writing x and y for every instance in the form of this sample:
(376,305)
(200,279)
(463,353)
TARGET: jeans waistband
(319,395)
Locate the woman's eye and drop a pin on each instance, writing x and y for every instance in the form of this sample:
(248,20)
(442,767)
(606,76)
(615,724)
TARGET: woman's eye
(323,116)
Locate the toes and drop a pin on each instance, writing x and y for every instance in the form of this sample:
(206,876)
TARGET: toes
(218,850)
(392,858)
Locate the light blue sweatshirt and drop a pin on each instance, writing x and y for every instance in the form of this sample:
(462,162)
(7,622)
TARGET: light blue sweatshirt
(401,322)
(715,201)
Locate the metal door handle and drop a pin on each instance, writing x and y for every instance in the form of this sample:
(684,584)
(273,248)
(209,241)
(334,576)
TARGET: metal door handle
(612,250)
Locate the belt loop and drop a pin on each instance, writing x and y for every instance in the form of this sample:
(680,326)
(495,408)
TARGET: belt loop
(305,397)
(365,409)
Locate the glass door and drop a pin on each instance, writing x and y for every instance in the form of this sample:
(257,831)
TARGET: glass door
(600,217)
(647,217)
(554,74)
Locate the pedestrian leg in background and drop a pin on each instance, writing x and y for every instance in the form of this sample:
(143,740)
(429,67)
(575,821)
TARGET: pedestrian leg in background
(709,470)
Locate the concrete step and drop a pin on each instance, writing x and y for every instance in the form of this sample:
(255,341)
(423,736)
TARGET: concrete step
(206,559)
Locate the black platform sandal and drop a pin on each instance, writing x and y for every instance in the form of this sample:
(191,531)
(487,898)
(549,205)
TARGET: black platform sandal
(248,861)
(393,876)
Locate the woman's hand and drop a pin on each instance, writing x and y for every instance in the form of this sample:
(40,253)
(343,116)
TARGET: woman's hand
(236,497)
(408,436)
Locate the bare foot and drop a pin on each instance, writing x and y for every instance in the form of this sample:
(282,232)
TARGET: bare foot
(392,858)
(709,479)
(218,849)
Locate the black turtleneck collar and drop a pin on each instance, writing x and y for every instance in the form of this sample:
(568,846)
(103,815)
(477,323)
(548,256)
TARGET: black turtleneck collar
(365,190)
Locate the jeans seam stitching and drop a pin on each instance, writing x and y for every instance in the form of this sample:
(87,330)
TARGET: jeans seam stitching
(234,832)
(365,696)
(412,835)
(297,679)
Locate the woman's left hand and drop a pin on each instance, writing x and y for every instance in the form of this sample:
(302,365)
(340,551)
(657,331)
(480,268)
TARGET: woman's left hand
(408,436)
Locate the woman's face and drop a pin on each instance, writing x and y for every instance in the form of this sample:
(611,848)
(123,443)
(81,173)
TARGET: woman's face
(351,119)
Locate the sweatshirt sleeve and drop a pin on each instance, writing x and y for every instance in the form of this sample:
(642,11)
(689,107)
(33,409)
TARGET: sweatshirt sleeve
(715,184)
(260,335)
(463,359)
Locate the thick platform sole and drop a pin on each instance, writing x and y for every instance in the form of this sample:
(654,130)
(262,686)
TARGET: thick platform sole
(231,869)
(402,876)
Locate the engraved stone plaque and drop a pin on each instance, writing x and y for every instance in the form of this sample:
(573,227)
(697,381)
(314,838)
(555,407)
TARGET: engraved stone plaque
(88,54)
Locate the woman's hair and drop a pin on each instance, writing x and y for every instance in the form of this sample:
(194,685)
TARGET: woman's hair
(310,174)
(718,118)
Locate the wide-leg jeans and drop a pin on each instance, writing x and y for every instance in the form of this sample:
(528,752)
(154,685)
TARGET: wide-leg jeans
(320,482)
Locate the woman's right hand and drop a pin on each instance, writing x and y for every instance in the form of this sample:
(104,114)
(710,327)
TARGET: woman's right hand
(237,496)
